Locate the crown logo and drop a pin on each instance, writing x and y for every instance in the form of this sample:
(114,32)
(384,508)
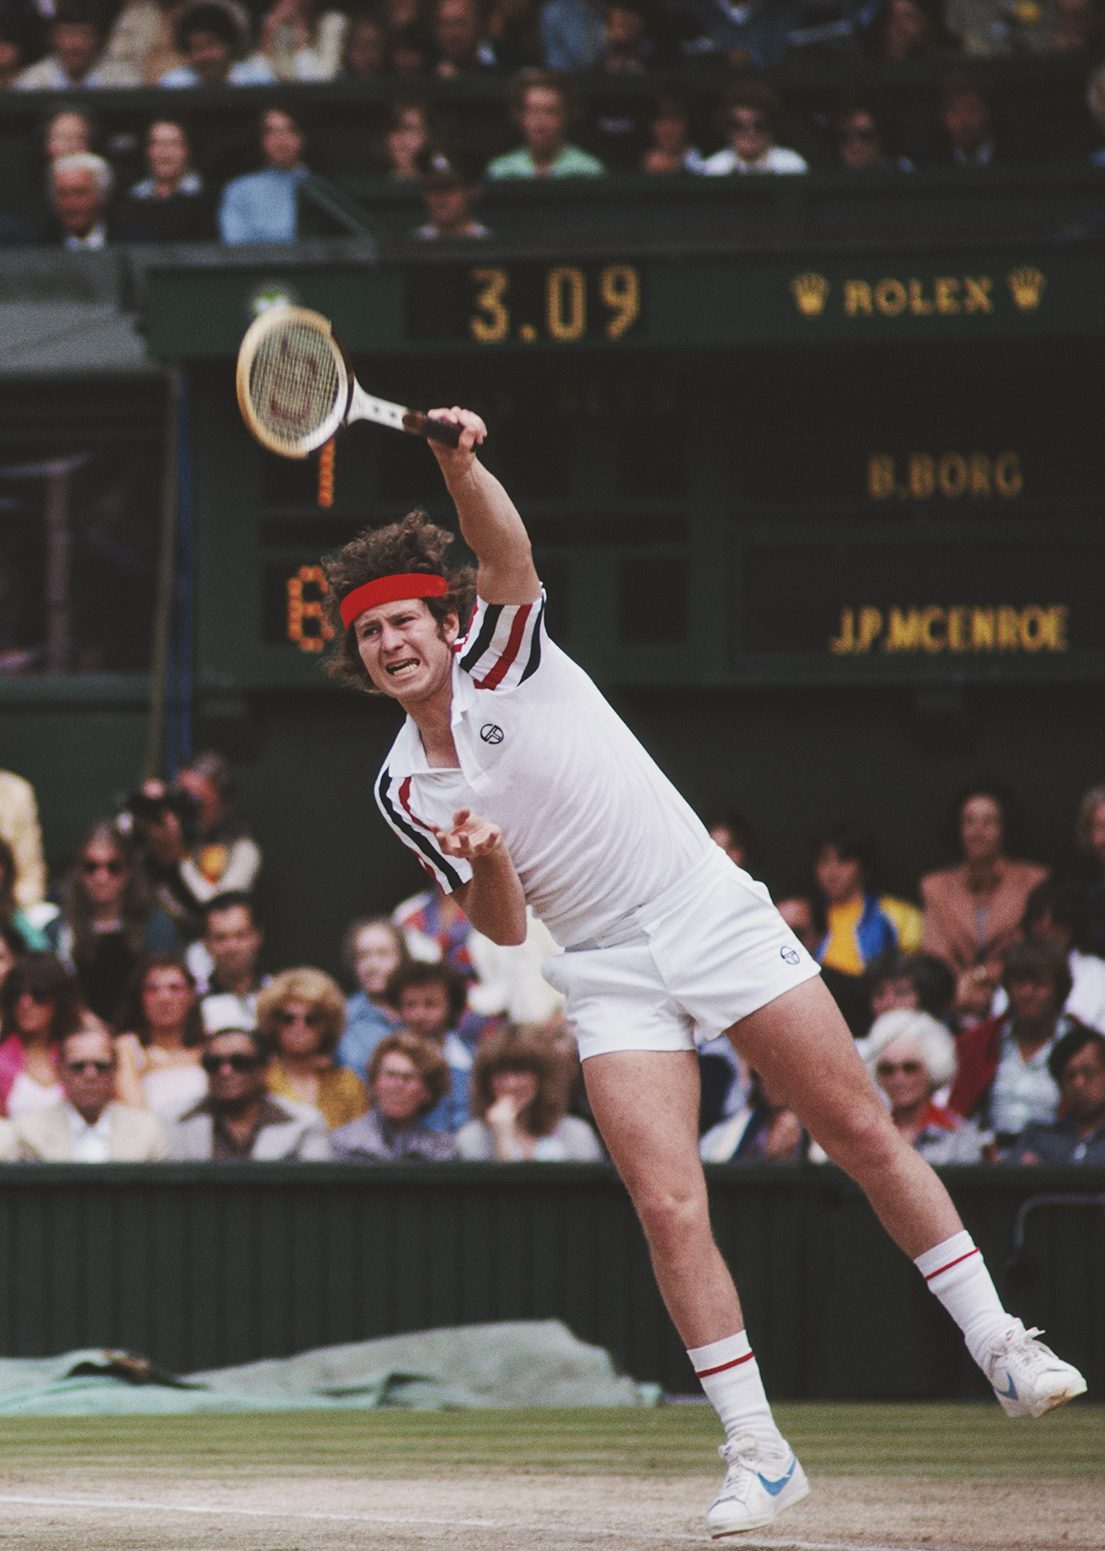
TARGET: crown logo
(1026,286)
(811,292)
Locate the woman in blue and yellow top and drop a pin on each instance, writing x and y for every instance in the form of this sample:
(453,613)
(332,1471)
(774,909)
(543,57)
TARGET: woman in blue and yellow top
(856,923)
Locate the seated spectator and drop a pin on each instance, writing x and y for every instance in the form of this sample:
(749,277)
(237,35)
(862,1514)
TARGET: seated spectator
(68,132)
(40,1003)
(461,45)
(1058,911)
(261,206)
(1090,839)
(409,50)
(753,35)
(750,120)
(194,842)
(76,41)
(14,920)
(798,912)
(87,1125)
(212,39)
(109,919)
(630,49)
(430,1000)
(373,949)
(573,34)
(915,981)
(366,54)
(171,203)
(544,107)
(862,140)
(857,923)
(671,148)
(408,136)
(19,826)
(1003,1080)
(407,1078)
(967,133)
(973,911)
(302,41)
(143,37)
(301,1013)
(764,1130)
(1077,27)
(860,923)
(450,188)
(239,1118)
(911,29)
(733,833)
(79,192)
(159,1048)
(233,937)
(437,931)
(1077,1064)
(911,1057)
(519,1106)
(514,28)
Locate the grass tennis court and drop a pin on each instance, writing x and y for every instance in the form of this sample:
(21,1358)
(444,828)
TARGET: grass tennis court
(908,1477)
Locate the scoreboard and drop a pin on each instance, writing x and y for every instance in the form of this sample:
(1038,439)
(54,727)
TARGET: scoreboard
(738,468)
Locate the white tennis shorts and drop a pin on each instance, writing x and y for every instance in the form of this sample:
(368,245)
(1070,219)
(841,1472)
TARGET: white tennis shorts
(682,969)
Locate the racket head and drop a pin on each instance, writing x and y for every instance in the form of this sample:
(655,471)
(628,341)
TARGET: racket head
(294,383)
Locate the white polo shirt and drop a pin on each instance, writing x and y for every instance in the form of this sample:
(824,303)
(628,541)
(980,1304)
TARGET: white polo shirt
(594,828)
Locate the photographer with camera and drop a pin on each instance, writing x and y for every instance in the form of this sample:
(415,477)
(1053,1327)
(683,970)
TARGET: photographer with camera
(192,842)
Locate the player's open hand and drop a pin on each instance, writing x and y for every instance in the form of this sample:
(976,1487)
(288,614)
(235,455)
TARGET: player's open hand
(470,836)
(473,434)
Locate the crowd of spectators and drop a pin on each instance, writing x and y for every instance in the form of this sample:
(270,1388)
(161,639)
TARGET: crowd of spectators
(130,1031)
(707,100)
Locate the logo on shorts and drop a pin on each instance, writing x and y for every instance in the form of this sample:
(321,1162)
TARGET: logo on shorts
(790,955)
(490,733)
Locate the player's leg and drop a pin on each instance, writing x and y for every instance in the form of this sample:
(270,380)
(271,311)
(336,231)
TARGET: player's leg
(645,1104)
(802,1045)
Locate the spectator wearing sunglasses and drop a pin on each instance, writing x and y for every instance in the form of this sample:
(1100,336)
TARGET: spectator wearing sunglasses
(750,120)
(301,1012)
(109,919)
(911,1057)
(239,1118)
(40,1004)
(87,1125)
(863,139)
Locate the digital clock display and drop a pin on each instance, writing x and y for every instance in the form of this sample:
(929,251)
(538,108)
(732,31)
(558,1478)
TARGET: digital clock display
(527,304)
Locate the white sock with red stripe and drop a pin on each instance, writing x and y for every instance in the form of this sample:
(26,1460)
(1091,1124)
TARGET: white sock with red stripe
(956,1272)
(730,1375)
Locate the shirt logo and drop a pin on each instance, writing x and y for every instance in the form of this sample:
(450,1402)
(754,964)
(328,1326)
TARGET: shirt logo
(789,955)
(490,733)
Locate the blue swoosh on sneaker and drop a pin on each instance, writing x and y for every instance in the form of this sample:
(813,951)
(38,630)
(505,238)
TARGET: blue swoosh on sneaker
(773,1488)
(1011,1392)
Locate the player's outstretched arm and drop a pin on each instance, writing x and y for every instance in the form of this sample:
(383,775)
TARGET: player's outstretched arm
(489,520)
(492,899)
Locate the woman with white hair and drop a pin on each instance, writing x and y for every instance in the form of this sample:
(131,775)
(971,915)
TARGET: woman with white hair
(911,1056)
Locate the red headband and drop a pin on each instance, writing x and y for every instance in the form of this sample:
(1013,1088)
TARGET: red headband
(389,589)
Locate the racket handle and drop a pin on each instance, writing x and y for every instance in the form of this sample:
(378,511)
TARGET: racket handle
(433,430)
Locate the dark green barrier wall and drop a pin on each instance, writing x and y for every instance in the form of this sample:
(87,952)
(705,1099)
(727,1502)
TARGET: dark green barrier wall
(221,1264)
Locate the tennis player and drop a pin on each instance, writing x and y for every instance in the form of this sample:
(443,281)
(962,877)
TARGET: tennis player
(514,782)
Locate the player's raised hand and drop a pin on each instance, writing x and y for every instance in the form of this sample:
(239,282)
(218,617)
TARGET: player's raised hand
(473,434)
(470,836)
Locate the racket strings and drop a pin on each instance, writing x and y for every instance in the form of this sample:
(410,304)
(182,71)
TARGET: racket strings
(295,383)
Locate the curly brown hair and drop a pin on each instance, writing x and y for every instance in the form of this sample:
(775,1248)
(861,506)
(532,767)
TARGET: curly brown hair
(521,1048)
(412,544)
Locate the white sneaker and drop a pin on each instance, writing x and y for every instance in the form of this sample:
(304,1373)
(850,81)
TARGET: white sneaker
(756,1489)
(1027,1376)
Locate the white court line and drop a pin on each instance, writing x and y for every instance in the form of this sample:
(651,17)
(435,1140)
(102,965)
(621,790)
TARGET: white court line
(406,1521)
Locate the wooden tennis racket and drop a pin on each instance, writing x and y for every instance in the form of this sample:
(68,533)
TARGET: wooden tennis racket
(296,387)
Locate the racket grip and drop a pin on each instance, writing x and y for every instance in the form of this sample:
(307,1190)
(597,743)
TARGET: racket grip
(441,431)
